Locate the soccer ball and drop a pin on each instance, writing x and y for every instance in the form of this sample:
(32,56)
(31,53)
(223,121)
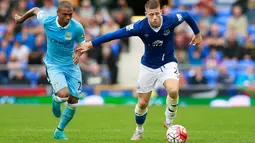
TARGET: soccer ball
(176,134)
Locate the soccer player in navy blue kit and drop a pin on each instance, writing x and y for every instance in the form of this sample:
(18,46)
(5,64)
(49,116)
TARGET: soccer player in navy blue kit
(61,61)
(158,63)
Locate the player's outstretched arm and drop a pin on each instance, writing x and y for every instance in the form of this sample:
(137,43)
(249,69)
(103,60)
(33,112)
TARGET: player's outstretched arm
(28,14)
(128,31)
(197,38)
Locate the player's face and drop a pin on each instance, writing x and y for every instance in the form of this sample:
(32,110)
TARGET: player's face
(154,16)
(65,15)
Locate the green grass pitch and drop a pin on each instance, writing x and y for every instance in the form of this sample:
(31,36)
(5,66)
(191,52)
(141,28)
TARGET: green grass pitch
(115,124)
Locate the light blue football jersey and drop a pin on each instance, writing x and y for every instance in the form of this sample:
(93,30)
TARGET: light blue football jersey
(60,40)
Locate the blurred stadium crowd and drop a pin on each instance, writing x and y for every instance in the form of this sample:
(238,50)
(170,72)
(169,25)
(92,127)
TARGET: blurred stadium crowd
(226,55)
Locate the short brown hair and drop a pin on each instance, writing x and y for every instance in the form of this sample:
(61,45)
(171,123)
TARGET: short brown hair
(152,4)
(65,4)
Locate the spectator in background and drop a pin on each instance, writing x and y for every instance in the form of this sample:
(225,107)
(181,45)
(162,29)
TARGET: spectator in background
(5,9)
(166,9)
(100,18)
(206,17)
(198,77)
(232,46)
(110,61)
(107,27)
(251,11)
(18,60)
(93,28)
(3,72)
(122,15)
(9,33)
(212,60)
(215,40)
(48,5)
(22,7)
(86,11)
(6,48)
(209,4)
(224,78)
(39,50)
(246,62)
(247,79)
(90,69)
(26,38)
(249,44)
(195,56)
(126,10)
(181,56)
(238,21)
(203,28)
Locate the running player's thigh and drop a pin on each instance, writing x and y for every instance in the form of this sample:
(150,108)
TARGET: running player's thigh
(170,76)
(146,80)
(74,81)
(56,78)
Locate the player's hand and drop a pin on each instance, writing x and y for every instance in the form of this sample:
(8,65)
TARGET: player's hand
(196,39)
(85,47)
(18,19)
(76,58)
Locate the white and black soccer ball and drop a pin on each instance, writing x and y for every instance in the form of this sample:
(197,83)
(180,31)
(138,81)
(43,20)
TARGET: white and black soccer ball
(176,134)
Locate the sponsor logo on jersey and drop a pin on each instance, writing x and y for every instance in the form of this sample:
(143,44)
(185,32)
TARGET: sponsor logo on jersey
(60,43)
(166,32)
(157,43)
(68,36)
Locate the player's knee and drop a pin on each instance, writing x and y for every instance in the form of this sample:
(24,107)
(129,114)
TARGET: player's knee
(63,94)
(142,104)
(173,93)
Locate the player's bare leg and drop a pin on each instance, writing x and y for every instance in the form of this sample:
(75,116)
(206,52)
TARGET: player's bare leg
(140,114)
(172,88)
(62,96)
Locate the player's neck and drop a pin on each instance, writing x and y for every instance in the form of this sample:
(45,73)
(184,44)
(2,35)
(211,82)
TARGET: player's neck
(62,24)
(156,29)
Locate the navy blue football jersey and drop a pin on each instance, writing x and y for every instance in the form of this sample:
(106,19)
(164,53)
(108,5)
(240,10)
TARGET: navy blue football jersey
(159,44)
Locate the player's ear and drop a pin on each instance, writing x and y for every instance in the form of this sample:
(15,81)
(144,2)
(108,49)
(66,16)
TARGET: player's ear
(58,11)
(160,11)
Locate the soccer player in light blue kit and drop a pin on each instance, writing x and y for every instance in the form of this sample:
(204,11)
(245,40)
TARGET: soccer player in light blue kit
(158,63)
(61,60)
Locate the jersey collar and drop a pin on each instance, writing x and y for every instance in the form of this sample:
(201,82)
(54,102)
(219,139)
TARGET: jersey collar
(60,25)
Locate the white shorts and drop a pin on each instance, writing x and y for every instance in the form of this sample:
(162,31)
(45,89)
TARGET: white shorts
(148,77)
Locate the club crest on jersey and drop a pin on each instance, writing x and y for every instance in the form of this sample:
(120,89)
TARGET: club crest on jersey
(68,36)
(166,32)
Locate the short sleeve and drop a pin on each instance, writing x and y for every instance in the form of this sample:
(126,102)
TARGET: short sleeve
(42,16)
(80,38)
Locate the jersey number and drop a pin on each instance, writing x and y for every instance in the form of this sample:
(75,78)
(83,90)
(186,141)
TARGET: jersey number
(79,85)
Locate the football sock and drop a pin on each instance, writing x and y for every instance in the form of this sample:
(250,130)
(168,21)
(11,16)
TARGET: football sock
(171,109)
(67,116)
(140,116)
